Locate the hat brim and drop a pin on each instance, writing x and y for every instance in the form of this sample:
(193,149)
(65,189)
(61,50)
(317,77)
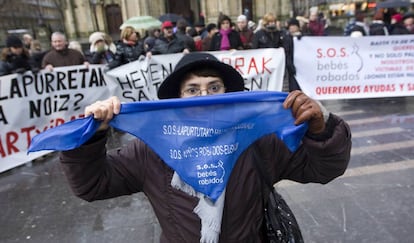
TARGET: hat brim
(232,79)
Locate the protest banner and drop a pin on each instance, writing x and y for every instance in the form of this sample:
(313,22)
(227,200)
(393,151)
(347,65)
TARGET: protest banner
(347,68)
(30,104)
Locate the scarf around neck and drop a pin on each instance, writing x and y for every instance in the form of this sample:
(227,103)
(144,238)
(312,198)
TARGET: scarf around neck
(225,41)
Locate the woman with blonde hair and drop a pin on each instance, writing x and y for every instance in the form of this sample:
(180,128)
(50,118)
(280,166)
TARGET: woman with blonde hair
(128,49)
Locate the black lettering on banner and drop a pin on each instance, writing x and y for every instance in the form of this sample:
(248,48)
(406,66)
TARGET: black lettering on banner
(145,74)
(79,98)
(27,80)
(71,80)
(15,89)
(61,80)
(258,83)
(130,95)
(3,117)
(166,70)
(49,105)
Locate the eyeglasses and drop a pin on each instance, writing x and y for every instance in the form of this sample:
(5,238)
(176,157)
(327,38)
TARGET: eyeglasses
(211,89)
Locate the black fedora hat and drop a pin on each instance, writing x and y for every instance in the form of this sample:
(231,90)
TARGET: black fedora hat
(170,88)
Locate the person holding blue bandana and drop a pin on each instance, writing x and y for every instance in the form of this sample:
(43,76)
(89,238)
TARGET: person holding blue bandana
(184,214)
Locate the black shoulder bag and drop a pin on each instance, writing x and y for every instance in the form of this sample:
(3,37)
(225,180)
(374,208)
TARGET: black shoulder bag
(280,223)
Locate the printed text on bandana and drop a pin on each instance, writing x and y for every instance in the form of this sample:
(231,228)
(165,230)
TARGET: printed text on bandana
(209,165)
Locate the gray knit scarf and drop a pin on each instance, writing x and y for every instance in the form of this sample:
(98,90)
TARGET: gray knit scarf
(210,213)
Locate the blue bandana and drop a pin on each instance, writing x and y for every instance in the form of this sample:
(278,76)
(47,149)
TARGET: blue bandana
(200,138)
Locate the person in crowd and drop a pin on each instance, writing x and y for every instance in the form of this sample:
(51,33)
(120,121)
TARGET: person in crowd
(60,55)
(206,42)
(149,41)
(397,26)
(293,28)
(182,35)
(168,42)
(128,49)
(36,55)
(226,38)
(316,25)
(246,34)
(270,37)
(75,45)
(14,57)
(251,25)
(359,25)
(408,20)
(198,42)
(200,27)
(99,50)
(27,41)
(377,26)
(94,173)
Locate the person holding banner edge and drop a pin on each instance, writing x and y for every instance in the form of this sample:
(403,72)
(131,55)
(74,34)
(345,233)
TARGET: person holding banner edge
(95,174)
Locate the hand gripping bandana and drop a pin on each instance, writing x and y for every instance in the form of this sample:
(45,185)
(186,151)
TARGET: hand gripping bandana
(199,138)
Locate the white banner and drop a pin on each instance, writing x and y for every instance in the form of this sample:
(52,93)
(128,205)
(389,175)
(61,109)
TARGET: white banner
(346,68)
(30,104)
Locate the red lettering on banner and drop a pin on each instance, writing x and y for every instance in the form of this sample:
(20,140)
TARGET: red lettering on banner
(264,62)
(239,62)
(7,147)
(27,130)
(252,64)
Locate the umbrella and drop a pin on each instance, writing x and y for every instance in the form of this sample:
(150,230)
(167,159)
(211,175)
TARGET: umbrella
(142,22)
(394,4)
(170,17)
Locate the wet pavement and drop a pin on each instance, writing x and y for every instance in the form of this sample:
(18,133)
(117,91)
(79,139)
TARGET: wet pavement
(372,202)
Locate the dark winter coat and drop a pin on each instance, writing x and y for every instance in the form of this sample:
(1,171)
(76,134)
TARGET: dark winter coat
(246,37)
(234,39)
(126,53)
(278,39)
(187,40)
(398,29)
(164,46)
(378,28)
(11,63)
(93,175)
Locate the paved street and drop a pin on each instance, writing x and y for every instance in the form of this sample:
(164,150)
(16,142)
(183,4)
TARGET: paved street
(372,202)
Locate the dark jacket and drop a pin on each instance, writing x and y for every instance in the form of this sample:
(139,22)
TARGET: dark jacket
(378,28)
(234,39)
(11,63)
(164,46)
(246,37)
(278,39)
(101,57)
(93,175)
(187,40)
(398,29)
(126,53)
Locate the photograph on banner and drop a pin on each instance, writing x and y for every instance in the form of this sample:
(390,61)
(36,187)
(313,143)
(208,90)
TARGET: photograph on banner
(31,103)
(348,68)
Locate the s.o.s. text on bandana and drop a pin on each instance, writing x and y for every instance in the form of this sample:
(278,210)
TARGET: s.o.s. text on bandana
(200,138)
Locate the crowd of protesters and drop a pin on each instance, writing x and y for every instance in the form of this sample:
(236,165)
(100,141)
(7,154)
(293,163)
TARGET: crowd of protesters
(24,54)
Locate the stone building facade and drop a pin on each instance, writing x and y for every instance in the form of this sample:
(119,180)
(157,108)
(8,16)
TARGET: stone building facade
(84,17)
